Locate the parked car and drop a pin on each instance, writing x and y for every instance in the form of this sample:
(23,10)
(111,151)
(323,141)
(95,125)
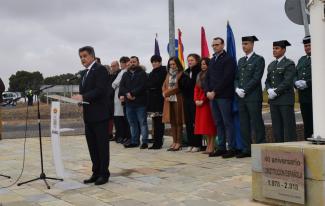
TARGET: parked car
(10,98)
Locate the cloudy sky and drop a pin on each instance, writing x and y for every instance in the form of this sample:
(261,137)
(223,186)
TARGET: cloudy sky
(44,35)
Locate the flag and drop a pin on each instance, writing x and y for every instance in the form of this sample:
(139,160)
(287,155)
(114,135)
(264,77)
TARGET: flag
(180,48)
(231,45)
(231,50)
(157,51)
(204,44)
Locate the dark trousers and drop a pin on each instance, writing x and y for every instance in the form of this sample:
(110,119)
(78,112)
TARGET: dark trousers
(189,110)
(222,114)
(307,117)
(110,127)
(158,129)
(250,117)
(98,145)
(283,123)
(122,128)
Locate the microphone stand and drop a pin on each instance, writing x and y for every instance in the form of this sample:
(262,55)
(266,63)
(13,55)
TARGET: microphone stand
(42,175)
(6,176)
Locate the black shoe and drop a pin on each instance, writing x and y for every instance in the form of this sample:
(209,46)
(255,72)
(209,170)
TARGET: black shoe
(144,146)
(131,145)
(92,179)
(229,154)
(111,138)
(151,140)
(218,153)
(243,155)
(101,180)
(126,141)
(119,140)
(155,147)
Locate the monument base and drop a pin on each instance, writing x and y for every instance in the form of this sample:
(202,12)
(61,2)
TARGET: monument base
(314,172)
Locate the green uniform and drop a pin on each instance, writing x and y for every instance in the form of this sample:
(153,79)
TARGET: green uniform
(280,76)
(303,72)
(248,77)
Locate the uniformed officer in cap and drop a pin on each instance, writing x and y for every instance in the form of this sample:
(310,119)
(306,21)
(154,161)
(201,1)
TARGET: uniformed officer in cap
(250,95)
(280,88)
(304,87)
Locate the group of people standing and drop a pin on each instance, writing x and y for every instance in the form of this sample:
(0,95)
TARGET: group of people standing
(201,97)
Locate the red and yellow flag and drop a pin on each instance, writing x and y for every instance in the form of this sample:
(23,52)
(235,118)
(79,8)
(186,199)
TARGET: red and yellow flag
(180,49)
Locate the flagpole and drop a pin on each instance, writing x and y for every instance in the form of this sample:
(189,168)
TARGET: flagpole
(171,28)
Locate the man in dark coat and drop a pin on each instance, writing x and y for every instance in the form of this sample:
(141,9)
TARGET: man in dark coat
(250,95)
(156,79)
(304,86)
(94,89)
(133,91)
(219,88)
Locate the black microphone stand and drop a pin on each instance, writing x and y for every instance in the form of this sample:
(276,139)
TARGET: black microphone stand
(6,176)
(42,175)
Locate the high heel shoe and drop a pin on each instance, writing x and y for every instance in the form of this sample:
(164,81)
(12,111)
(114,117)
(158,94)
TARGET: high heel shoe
(177,149)
(170,149)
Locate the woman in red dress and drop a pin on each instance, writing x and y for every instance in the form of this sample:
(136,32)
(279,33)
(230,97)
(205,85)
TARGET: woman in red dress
(204,123)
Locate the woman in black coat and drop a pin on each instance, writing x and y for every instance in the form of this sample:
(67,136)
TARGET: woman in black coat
(156,79)
(187,86)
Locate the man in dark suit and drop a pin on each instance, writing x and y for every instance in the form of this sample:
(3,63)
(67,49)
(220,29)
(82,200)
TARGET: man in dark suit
(219,88)
(94,89)
(250,95)
(279,85)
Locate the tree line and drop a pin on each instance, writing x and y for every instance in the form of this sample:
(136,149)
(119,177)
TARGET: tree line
(22,80)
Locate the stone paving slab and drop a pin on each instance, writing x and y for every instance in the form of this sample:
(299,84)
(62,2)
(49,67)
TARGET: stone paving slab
(138,177)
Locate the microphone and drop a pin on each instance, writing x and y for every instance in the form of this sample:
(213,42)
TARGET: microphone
(76,76)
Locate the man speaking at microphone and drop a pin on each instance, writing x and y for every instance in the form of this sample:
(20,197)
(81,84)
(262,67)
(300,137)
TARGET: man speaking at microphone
(93,89)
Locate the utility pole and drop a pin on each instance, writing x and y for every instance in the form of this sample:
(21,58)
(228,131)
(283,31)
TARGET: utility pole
(317,31)
(171,48)
(304,16)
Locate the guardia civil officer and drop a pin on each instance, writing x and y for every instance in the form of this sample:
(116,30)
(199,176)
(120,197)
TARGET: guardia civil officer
(280,88)
(250,95)
(304,86)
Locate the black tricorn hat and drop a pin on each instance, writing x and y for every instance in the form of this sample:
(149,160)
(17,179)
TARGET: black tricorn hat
(306,40)
(282,43)
(249,38)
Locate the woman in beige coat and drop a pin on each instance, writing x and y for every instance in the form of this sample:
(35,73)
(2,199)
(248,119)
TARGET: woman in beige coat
(173,111)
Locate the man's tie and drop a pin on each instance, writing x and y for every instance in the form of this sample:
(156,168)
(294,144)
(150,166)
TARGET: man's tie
(85,77)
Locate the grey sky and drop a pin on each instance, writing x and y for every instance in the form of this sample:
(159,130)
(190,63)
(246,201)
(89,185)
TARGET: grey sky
(45,35)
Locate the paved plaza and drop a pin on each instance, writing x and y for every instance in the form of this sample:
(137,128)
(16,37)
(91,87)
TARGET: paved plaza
(138,177)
